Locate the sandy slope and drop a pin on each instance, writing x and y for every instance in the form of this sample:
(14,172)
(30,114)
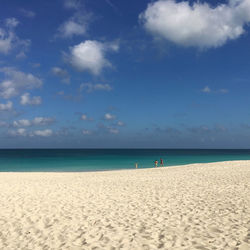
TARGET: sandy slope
(201,206)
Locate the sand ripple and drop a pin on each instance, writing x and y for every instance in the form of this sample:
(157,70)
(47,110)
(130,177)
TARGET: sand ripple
(201,206)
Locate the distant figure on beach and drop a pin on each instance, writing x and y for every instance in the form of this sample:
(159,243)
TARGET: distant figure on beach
(136,165)
(156,163)
(161,162)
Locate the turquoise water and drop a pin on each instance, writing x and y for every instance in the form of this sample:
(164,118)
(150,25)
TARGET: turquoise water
(107,159)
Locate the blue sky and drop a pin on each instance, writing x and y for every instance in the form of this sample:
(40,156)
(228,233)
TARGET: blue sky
(108,73)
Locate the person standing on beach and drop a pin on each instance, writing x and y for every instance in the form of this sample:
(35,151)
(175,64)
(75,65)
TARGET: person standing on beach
(136,165)
(161,162)
(156,163)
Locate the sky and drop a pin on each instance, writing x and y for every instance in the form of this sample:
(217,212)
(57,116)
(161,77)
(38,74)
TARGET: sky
(124,74)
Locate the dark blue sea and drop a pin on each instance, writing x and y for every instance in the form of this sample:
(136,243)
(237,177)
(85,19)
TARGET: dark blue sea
(22,160)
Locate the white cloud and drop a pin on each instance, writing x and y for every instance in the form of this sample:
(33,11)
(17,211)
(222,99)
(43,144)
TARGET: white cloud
(121,124)
(6,107)
(61,93)
(91,56)
(11,22)
(196,25)
(43,120)
(109,117)
(21,131)
(74,26)
(77,24)
(27,13)
(63,74)
(37,121)
(24,132)
(218,91)
(84,117)
(86,132)
(43,133)
(17,82)
(21,55)
(95,87)
(5,41)
(18,132)
(3,124)
(22,123)
(206,90)
(113,131)
(7,89)
(72,4)
(223,91)
(27,100)
(36,65)
(113,7)
(8,38)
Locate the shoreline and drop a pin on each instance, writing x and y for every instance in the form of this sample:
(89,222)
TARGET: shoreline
(126,169)
(195,206)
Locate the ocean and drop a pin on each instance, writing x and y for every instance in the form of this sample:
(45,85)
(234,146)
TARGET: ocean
(58,160)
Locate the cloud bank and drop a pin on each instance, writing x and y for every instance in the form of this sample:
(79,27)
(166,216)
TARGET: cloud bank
(198,24)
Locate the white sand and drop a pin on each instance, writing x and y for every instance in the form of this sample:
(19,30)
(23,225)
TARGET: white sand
(201,206)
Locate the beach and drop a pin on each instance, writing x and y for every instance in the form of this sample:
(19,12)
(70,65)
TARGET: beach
(197,206)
